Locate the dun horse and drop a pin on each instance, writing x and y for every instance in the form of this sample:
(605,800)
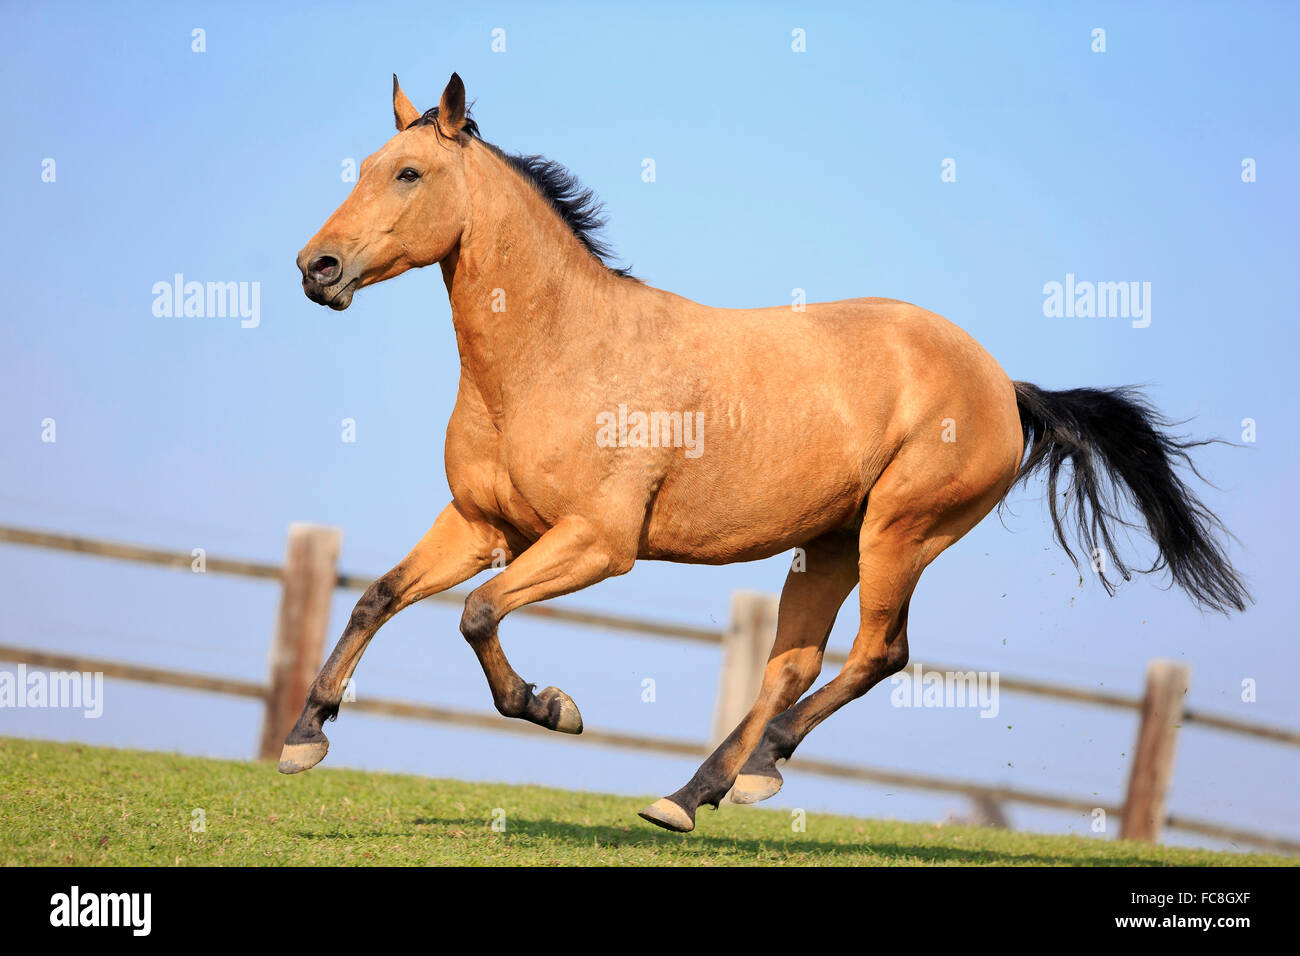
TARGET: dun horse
(821,429)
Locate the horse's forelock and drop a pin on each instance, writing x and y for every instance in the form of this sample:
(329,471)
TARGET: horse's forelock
(578,207)
(430,118)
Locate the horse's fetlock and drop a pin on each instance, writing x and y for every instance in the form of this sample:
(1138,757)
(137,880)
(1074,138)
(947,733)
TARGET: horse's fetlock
(778,741)
(513,702)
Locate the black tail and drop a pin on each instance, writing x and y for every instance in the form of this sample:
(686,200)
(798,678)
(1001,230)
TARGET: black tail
(1117,450)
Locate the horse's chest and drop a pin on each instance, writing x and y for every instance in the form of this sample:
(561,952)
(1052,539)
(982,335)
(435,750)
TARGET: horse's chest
(513,481)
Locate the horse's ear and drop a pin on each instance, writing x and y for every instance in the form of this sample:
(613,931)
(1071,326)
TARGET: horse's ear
(451,110)
(403,112)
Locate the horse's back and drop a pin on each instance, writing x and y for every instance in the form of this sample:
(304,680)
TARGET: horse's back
(804,410)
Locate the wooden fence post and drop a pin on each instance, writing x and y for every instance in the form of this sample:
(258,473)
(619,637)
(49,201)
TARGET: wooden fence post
(745,647)
(310,574)
(1153,762)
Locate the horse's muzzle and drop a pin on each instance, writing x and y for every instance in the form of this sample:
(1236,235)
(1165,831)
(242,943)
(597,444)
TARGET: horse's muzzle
(324,281)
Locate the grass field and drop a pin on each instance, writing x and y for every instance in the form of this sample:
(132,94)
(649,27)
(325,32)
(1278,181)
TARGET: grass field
(69,804)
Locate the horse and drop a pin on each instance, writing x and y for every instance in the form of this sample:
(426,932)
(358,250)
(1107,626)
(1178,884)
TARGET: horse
(870,433)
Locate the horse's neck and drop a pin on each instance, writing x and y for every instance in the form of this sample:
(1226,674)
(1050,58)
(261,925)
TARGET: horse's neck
(521,284)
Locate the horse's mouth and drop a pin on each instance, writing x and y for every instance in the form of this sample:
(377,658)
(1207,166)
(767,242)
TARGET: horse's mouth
(341,299)
(338,299)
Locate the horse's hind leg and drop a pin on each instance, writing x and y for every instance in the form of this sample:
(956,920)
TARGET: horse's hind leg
(906,526)
(879,651)
(809,601)
(452,551)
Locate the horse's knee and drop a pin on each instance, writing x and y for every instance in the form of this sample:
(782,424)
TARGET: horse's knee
(376,602)
(479,619)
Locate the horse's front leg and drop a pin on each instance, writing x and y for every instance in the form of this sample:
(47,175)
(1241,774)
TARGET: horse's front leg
(573,554)
(453,550)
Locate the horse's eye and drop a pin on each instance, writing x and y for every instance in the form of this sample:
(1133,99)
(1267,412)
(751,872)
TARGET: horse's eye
(408,175)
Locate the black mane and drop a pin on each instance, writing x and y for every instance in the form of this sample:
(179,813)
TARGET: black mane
(576,205)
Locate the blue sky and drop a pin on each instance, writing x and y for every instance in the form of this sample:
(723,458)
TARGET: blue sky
(775,170)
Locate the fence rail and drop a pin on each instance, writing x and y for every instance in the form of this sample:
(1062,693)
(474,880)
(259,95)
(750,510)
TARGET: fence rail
(271,695)
(606,622)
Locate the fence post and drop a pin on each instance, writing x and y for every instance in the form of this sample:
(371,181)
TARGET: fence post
(1153,762)
(310,574)
(745,647)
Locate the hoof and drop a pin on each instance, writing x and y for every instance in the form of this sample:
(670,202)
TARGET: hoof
(751,788)
(664,813)
(295,758)
(570,721)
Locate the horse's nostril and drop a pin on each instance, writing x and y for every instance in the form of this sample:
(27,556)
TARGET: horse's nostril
(324,269)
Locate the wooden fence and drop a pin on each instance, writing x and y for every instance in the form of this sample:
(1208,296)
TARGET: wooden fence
(309,576)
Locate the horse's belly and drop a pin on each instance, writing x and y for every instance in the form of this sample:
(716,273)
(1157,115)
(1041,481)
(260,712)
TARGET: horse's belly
(744,523)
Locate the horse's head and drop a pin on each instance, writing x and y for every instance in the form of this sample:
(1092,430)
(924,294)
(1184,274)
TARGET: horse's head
(408,208)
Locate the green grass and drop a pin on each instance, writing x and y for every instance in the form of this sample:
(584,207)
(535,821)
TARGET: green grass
(69,804)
